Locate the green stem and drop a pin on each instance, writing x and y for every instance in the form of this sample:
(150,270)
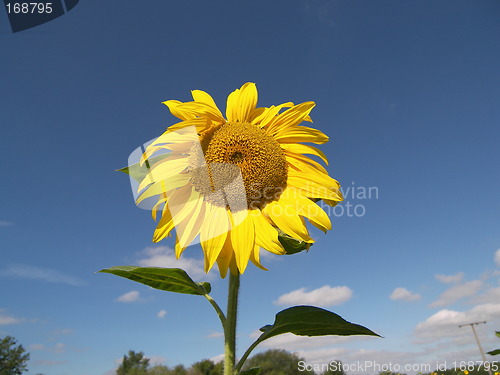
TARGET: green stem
(230,326)
(247,353)
(218,310)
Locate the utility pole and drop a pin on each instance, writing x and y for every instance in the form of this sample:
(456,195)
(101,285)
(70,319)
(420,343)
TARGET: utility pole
(478,343)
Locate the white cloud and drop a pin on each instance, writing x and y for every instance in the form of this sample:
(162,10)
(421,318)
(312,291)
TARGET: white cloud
(444,323)
(215,335)
(6,319)
(449,279)
(324,296)
(5,223)
(497,257)
(404,294)
(36,347)
(294,343)
(23,271)
(164,256)
(161,314)
(156,360)
(457,292)
(132,296)
(59,348)
(491,295)
(218,358)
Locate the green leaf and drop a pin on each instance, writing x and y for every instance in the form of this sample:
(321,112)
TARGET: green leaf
(292,245)
(138,172)
(169,279)
(497,333)
(494,352)
(252,371)
(312,321)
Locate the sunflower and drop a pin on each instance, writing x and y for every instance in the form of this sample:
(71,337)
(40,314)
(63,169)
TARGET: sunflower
(237,182)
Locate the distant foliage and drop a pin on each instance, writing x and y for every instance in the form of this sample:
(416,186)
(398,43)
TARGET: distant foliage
(277,362)
(271,362)
(133,364)
(13,359)
(469,368)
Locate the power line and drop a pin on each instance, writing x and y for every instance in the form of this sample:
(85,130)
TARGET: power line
(478,343)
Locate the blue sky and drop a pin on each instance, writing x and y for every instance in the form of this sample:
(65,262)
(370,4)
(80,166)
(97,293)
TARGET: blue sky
(408,93)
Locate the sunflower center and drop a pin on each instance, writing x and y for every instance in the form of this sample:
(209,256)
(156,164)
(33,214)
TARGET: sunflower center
(243,163)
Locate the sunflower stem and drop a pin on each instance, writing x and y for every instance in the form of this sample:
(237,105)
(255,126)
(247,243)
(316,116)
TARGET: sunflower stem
(230,326)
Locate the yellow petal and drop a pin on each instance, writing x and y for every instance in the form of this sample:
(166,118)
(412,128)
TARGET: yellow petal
(304,164)
(241,103)
(181,204)
(268,114)
(255,257)
(312,189)
(266,236)
(173,106)
(187,134)
(163,187)
(204,97)
(225,257)
(290,118)
(157,205)
(214,233)
(204,110)
(301,134)
(165,170)
(304,149)
(201,124)
(164,227)
(307,208)
(283,214)
(190,227)
(242,238)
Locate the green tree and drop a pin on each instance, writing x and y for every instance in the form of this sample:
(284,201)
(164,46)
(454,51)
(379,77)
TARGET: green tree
(179,370)
(206,367)
(13,359)
(277,362)
(133,364)
(159,370)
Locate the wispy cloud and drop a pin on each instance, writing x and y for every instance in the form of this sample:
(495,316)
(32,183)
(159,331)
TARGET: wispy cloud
(324,296)
(404,294)
(491,295)
(164,256)
(497,257)
(6,319)
(161,314)
(457,292)
(449,279)
(23,271)
(5,223)
(215,335)
(132,296)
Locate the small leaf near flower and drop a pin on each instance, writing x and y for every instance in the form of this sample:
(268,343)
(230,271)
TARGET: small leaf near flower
(292,245)
(168,279)
(138,172)
(312,321)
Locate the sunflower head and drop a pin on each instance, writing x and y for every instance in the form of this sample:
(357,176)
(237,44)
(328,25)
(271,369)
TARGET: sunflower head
(239,181)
